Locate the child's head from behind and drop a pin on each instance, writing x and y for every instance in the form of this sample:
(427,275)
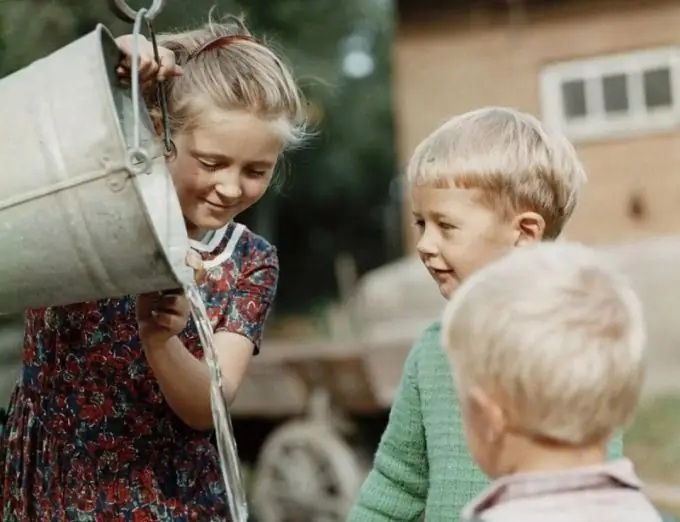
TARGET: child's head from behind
(233,112)
(484,182)
(547,349)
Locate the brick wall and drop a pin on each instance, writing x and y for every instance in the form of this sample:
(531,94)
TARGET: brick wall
(454,64)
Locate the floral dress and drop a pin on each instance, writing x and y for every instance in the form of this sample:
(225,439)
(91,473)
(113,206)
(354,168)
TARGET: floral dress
(90,437)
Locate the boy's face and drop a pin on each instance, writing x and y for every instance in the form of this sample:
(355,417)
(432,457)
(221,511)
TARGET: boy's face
(457,234)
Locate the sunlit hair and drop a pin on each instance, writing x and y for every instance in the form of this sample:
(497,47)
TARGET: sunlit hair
(515,162)
(556,335)
(242,74)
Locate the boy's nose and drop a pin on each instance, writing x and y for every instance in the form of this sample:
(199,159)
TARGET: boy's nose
(426,246)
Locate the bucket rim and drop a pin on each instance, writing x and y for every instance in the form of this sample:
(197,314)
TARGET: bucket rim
(110,55)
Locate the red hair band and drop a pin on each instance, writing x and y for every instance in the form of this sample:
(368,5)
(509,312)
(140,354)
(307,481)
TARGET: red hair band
(221,41)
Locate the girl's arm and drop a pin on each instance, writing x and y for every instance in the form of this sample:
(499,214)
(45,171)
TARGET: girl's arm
(185,379)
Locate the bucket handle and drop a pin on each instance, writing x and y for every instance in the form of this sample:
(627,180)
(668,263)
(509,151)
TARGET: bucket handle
(139,160)
(127,14)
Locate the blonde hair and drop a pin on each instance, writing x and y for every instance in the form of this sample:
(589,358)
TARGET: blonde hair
(556,336)
(517,164)
(243,74)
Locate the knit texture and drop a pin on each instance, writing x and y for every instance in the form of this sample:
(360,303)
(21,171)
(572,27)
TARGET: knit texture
(422,465)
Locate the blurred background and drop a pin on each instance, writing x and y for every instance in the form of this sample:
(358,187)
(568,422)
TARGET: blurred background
(380,75)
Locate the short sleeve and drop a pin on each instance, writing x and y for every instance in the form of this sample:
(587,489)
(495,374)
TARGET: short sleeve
(250,301)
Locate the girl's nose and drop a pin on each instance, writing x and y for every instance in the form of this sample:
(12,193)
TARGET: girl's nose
(227,184)
(229,190)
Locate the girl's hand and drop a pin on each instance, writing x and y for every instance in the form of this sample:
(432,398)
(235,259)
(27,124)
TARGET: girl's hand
(149,70)
(161,316)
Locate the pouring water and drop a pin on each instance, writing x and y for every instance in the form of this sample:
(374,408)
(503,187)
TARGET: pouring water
(224,433)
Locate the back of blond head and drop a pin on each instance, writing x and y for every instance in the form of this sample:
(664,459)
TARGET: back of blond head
(516,162)
(245,74)
(557,335)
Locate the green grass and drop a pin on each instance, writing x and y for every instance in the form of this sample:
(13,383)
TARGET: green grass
(653,440)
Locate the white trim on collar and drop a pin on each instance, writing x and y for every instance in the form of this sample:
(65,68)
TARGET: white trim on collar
(228,250)
(212,243)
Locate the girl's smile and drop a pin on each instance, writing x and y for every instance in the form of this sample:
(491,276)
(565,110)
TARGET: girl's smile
(223,166)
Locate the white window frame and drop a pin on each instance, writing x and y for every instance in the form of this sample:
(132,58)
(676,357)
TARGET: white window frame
(597,124)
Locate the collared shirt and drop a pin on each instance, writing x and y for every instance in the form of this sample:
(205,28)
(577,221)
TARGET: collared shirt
(609,492)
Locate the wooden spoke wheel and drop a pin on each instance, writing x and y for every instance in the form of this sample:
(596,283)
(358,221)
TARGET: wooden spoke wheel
(305,473)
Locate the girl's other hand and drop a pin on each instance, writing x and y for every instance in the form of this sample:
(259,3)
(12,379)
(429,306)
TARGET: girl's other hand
(149,70)
(160,317)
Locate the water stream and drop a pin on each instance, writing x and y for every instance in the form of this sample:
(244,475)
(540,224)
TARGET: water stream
(224,432)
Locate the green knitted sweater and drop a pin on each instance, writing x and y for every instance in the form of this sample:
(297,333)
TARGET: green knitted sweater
(422,464)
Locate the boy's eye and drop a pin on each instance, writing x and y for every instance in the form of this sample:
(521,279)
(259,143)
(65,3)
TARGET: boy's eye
(257,173)
(419,223)
(446,226)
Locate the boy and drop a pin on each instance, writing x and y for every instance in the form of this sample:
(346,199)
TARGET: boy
(485,182)
(547,350)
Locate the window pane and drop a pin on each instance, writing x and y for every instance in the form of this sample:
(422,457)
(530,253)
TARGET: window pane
(574,99)
(658,88)
(615,90)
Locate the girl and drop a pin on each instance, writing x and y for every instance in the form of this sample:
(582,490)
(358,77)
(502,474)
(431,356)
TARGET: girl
(111,417)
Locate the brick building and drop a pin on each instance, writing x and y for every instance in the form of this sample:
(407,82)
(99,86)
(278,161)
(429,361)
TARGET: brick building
(607,73)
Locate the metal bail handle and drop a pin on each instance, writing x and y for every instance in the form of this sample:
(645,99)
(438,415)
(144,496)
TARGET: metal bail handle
(127,14)
(139,161)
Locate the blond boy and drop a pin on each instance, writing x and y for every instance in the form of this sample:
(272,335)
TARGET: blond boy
(482,184)
(547,348)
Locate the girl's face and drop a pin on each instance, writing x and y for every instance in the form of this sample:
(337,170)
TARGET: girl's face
(222,167)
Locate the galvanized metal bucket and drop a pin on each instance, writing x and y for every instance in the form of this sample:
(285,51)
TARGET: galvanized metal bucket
(85,212)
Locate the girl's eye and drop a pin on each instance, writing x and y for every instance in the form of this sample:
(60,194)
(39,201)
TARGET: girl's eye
(211,167)
(257,173)
(419,223)
(446,226)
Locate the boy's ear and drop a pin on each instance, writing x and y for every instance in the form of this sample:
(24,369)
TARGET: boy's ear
(488,417)
(530,227)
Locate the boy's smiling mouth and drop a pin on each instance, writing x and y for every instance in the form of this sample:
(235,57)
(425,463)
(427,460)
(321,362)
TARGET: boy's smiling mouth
(439,273)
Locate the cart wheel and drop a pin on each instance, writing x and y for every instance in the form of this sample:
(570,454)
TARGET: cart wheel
(305,473)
